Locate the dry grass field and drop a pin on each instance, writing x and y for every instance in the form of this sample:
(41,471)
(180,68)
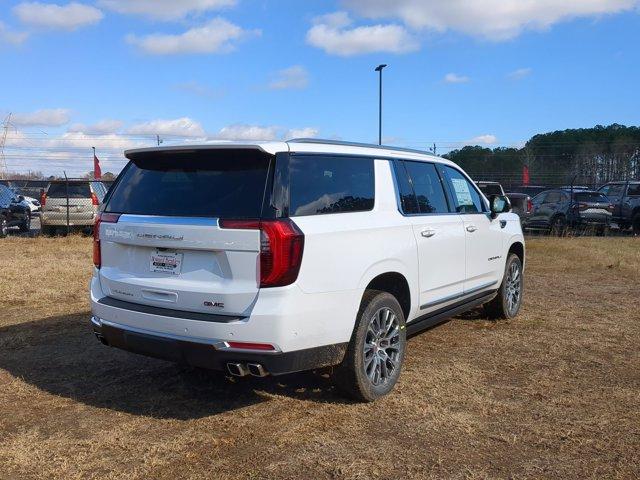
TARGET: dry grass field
(554,393)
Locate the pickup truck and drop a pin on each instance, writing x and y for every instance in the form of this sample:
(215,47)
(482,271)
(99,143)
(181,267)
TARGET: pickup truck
(625,196)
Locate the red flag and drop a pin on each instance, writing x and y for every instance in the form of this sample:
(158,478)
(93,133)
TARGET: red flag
(525,175)
(97,173)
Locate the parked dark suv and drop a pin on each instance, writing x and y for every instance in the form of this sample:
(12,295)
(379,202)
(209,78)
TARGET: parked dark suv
(557,210)
(625,197)
(13,212)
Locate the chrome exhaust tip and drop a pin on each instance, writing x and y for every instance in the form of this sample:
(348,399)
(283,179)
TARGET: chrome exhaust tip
(237,369)
(257,370)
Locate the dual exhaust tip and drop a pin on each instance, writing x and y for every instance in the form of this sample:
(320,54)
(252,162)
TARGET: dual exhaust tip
(242,370)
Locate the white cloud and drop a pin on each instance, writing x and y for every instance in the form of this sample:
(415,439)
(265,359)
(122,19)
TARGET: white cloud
(182,127)
(334,34)
(165,9)
(101,127)
(491,19)
(217,36)
(520,73)
(295,77)
(263,133)
(60,17)
(308,132)
(8,35)
(247,132)
(42,118)
(455,78)
(483,140)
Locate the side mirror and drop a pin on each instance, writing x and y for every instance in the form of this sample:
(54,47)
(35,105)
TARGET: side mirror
(499,204)
(20,198)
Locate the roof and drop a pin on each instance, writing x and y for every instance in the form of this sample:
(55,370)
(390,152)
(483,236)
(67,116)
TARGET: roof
(301,145)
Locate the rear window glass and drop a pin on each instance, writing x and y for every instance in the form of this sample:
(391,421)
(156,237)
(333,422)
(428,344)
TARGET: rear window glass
(590,197)
(222,183)
(634,190)
(76,190)
(323,184)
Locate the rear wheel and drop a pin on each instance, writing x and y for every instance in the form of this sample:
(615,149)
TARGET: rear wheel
(558,226)
(372,364)
(509,299)
(635,223)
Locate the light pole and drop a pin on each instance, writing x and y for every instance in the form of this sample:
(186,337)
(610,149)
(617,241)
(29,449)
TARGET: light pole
(379,69)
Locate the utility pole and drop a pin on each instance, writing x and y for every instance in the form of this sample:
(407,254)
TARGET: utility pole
(379,69)
(5,131)
(158,139)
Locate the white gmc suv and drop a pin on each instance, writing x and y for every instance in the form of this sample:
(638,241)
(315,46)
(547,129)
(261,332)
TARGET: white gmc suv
(276,257)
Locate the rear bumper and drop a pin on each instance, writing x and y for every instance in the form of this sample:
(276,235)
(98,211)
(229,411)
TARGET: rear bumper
(214,354)
(56,219)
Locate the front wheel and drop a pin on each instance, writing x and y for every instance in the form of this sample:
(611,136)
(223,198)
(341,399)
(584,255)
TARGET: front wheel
(507,302)
(558,227)
(26,225)
(4,229)
(374,357)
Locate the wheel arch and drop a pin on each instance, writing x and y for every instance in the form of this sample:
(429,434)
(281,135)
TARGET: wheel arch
(517,247)
(396,284)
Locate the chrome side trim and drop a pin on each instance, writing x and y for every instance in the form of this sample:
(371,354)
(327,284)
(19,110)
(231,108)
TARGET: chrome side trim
(457,296)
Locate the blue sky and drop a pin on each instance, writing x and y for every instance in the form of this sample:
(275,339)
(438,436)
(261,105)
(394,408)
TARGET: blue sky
(112,73)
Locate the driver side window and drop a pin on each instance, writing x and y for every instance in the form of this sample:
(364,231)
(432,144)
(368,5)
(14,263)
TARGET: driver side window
(465,196)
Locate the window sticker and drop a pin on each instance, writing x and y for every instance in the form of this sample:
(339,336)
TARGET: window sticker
(463,194)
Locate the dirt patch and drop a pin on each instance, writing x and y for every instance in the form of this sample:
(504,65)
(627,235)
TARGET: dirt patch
(554,393)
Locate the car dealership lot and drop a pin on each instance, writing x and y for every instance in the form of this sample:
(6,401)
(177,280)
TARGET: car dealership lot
(553,393)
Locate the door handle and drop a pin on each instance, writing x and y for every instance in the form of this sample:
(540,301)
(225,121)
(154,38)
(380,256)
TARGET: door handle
(471,228)
(428,233)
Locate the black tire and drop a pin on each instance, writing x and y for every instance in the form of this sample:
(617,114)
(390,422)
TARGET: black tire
(26,225)
(4,229)
(384,368)
(635,224)
(47,230)
(604,231)
(501,307)
(558,226)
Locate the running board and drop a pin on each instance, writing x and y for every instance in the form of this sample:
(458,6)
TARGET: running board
(439,316)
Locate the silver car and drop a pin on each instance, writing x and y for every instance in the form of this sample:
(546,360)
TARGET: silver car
(74,203)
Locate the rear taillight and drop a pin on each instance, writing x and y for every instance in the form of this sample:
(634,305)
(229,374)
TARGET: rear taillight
(101,218)
(281,247)
(94,199)
(529,205)
(611,207)
(43,199)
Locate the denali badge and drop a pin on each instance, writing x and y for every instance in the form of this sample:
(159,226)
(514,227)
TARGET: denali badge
(214,304)
(494,258)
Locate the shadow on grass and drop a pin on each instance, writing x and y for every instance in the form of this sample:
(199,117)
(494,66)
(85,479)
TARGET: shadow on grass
(61,356)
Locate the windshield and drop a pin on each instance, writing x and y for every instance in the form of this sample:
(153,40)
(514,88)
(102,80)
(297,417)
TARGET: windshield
(208,183)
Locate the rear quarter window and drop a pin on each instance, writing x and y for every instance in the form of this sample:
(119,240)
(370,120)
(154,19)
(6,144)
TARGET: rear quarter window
(321,184)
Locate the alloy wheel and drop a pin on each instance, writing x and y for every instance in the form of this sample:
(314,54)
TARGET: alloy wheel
(382,347)
(513,288)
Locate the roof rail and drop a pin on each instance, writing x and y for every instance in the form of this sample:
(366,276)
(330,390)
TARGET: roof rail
(356,144)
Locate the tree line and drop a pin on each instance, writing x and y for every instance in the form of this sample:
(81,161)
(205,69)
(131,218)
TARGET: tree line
(584,156)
